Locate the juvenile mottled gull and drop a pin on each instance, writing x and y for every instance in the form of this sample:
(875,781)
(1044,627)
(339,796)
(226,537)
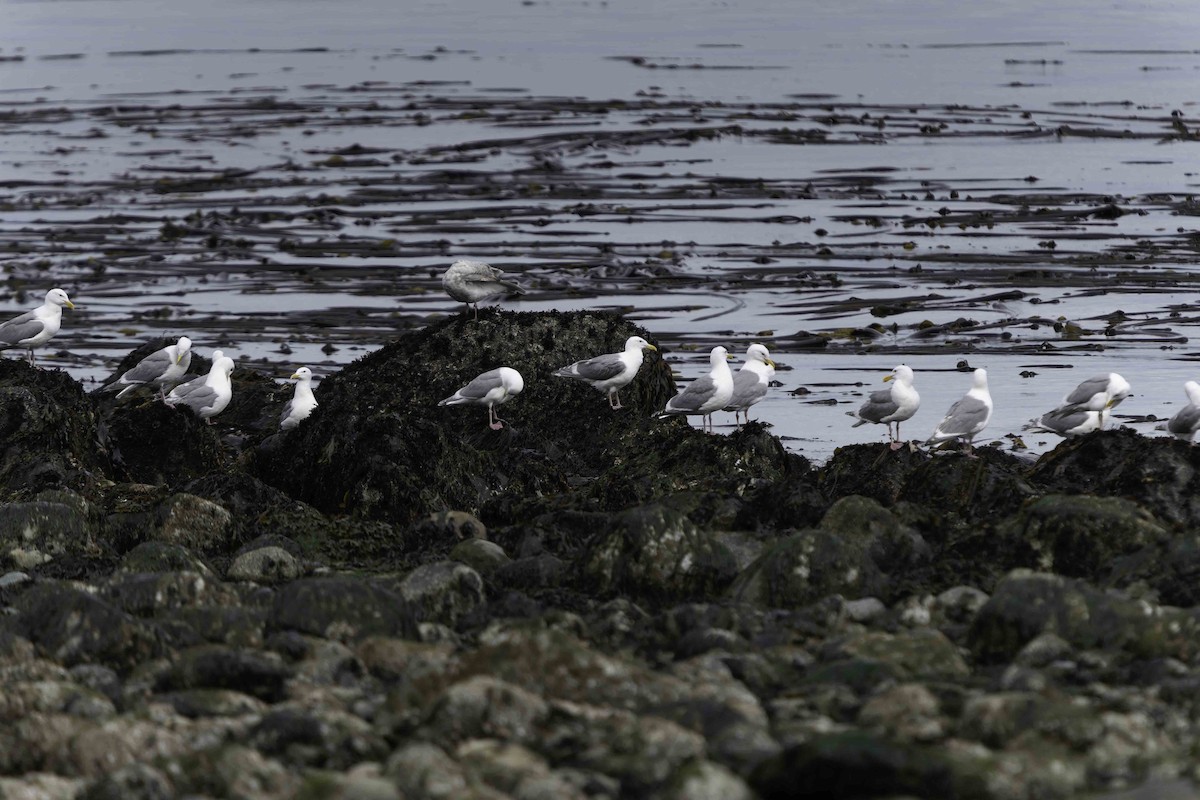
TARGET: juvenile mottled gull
(209,395)
(751,382)
(160,369)
(706,394)
(35,328)
(1097,393)
(1186,421)
(302,403)
(611,372)
(471,281)
(895,404)
(1069,421)
(968,416)
(490,389)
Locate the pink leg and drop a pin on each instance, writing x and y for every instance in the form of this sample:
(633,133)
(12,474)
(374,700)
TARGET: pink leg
(494,422)
(617,395)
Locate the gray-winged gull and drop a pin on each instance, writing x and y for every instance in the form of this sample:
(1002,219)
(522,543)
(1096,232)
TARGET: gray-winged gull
(707,393)
(611,372)
(35,328)
(1097,393)
(208,395)
(895,404)
(1186,421)
(302,403)
(160,369)
(750,383)
(968,416)
(489,389)
(1069,421)
(472,281)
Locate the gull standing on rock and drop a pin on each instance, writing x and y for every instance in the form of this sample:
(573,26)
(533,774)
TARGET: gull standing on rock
(302,403)
(1186,421)
(968,416)
(894,404)
(751,382)
(611,372)
(490,389)
(1086,408)
(35,328)
(160,369)
(1067,422)
(706,394)
(208,395)
(471,281)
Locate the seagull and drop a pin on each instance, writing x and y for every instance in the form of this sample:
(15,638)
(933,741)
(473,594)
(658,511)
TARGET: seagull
(751,381)
(490,389)
(161,368)
(894,404)
(35,328)
(471,281)
(611,372)
(208,395)
(1068,421)
(968,416)
(302,403)
(1186,421)
(1098,393)
(706,394)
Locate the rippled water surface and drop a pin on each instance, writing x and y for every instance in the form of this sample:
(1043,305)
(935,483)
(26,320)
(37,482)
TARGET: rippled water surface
(854,184)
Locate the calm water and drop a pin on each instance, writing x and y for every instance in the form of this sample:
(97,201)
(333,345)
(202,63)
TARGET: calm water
(892,113)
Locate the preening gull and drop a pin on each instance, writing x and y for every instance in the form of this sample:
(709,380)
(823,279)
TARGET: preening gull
(302,403)
(208,395)
(471,281)
(1097,393)
(611,372)
(968,416)
(490,389)
(751,382)
(1186,421)
(35,328)
(894,404)
(160,369)
(706,394)
(1069,421)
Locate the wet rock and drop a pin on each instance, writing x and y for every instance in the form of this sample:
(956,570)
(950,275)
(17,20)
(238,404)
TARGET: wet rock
(132,782)
(49,429)
(326,739)
(35,533)
(264,563)
(869,470)
(515,770)
(922,653)
(162,557)
(154,444)
(484,707)
(1078,535)
(795,501)
(443,592)
(705,780)
(44,786)
(359,783)
(260,674)
(342,608)
(906,712)
(425,771)
(200,703)
(991,484)
(149,593)
(656,552)
(1028,604)
(441,531)
(483,556)
(195,523)
(73,627)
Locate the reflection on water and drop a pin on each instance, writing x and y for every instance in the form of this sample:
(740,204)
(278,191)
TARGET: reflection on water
(895,182)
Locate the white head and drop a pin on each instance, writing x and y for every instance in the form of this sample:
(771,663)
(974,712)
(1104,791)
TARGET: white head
(979,381)
(1193,392)
(902,373)
(304,374)
(718,355)
(224,364)
(758,352)
(1118,389)
(216,356)
(183,345)
(512,380)
(59,298)
(638,343)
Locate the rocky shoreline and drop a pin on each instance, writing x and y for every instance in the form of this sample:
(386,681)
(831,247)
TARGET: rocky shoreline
(394,601)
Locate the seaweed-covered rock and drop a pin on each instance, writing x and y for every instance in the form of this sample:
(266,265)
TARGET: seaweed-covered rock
(49,429)
(342,608)
(152,443)
(34,533)
(445,591)
(218,667)
(655,551)
(870,470)
(379,447)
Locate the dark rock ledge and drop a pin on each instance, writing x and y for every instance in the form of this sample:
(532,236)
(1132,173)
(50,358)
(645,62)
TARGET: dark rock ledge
(393,601)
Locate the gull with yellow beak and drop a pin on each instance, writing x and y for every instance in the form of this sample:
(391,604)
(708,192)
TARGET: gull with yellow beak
(302,403)
(751,382)
(611,372)
(35,328)
(706,394)
(162,369)
(894,404)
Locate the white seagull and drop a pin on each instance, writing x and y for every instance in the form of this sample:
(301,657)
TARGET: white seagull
(489,389)
(160,369)
(302,403)
(472,281)
(751,382)
(35,328)
(895,404)
(968,416)
(207,395)
(1186,421)
(707,393)
(611,372)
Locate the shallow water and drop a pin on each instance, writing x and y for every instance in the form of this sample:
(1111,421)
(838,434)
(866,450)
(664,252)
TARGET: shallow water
(270,176)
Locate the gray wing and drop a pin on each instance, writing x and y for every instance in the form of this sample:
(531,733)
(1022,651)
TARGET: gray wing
(747,390)
(476,389)
(1061,420)
(1086,390)
(18,329)
(1186,420)
(150,368)
(195,394)
(287,411)
(878,406)
(600,368)
(965,415)
(697,393)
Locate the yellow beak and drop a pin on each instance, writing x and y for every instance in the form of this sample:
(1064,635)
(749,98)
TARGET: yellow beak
(295,375)
(769,363)
(650,347)
(887,378)
(70,304)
